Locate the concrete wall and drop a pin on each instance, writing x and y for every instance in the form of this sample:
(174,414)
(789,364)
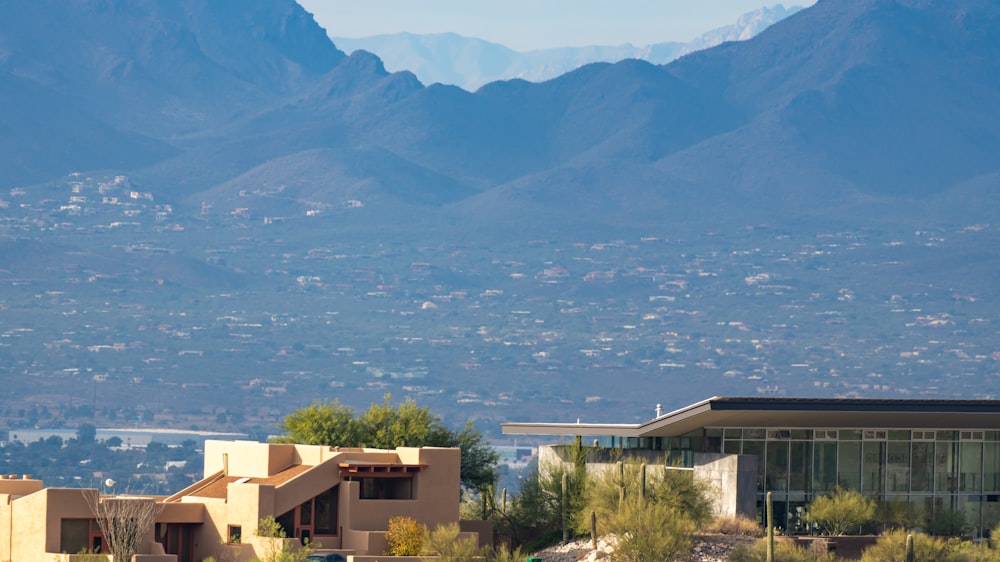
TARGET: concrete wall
(733,478)
(733,481)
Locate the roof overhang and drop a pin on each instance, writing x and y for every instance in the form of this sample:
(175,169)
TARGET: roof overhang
(790,413)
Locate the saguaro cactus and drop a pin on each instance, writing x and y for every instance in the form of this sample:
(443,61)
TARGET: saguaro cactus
(770,529)
(593,529)
(909,548)
(642,481)
(565,506)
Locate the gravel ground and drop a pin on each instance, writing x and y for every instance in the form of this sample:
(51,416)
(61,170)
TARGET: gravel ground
(707,548)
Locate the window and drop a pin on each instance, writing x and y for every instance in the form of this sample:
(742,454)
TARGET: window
(235,534)
(326,512)
(386,488)
(74,535)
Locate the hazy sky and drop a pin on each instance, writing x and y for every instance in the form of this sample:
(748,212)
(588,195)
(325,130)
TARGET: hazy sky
(535,24)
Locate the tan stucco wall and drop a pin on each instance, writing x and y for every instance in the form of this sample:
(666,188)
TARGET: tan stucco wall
(30,524)
(247,458)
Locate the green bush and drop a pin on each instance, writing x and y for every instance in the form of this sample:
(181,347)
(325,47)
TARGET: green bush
(276,548)
(676,489)
(650,532)
(88,555)
(841,512)
(445,544)
(405,536)
(948,523)
(901,514)
(891,547)
(784,551)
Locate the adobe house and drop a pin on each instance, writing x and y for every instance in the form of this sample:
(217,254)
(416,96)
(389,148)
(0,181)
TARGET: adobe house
(935,455)
(335,498)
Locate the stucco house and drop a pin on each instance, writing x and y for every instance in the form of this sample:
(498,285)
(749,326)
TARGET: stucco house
(335,498)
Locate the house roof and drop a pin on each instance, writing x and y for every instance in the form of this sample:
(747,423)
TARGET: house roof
(789,413)
(217,489)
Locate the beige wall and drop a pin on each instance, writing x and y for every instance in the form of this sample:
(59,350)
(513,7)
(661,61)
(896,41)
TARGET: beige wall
(247,458)
(31,516)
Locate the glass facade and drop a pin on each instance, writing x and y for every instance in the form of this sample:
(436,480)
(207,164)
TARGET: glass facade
(932,470)
(929,470)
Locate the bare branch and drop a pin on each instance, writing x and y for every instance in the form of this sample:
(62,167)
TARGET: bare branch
(124,521)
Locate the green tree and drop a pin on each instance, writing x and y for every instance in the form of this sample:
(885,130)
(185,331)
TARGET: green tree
(386,426)
(841,512)
(331,423)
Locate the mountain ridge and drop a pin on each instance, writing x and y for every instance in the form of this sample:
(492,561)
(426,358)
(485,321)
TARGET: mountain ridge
(470,63)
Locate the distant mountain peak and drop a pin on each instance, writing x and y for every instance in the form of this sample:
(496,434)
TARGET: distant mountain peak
(450,58)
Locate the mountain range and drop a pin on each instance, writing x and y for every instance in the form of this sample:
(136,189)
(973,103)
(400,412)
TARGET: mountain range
(449,58)
(212,191)
(844,104)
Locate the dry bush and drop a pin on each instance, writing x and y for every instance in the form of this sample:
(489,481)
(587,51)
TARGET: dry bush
(739,525)
(405,536)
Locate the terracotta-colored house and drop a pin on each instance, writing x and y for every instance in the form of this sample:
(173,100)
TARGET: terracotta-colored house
(336,498)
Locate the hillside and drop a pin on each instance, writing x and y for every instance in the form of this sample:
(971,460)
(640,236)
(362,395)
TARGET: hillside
(215,213)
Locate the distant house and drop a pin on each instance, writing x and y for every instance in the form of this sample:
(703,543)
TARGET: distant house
(338,499)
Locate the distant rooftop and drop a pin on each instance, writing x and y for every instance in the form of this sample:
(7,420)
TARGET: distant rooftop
(789,413)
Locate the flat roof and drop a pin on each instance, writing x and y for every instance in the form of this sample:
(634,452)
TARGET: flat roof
(789,413)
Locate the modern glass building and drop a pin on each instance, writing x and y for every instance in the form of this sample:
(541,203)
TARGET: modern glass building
(923,456)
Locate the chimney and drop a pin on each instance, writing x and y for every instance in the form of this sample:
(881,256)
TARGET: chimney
(659,410)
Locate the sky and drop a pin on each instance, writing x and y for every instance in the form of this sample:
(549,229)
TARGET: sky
(536,24)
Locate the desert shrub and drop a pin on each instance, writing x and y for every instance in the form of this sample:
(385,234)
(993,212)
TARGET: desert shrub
(276,548)
(948,523)
(88,555)
(445,544)
(405,536)
(891,547)
(538,504)
(739,525)
(503,553)
(841,512)
(675,489)
(784,551)
(650,532)
(900,514)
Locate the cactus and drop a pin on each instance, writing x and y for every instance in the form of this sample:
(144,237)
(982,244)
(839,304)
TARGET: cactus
(770,529)
(642,481)
(565,506)
(593,529)
(909,548)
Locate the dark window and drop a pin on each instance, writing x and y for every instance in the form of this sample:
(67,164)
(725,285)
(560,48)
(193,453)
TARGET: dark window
(235,534)
(286,523)
(75,536)
(386,489)
(326,512)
